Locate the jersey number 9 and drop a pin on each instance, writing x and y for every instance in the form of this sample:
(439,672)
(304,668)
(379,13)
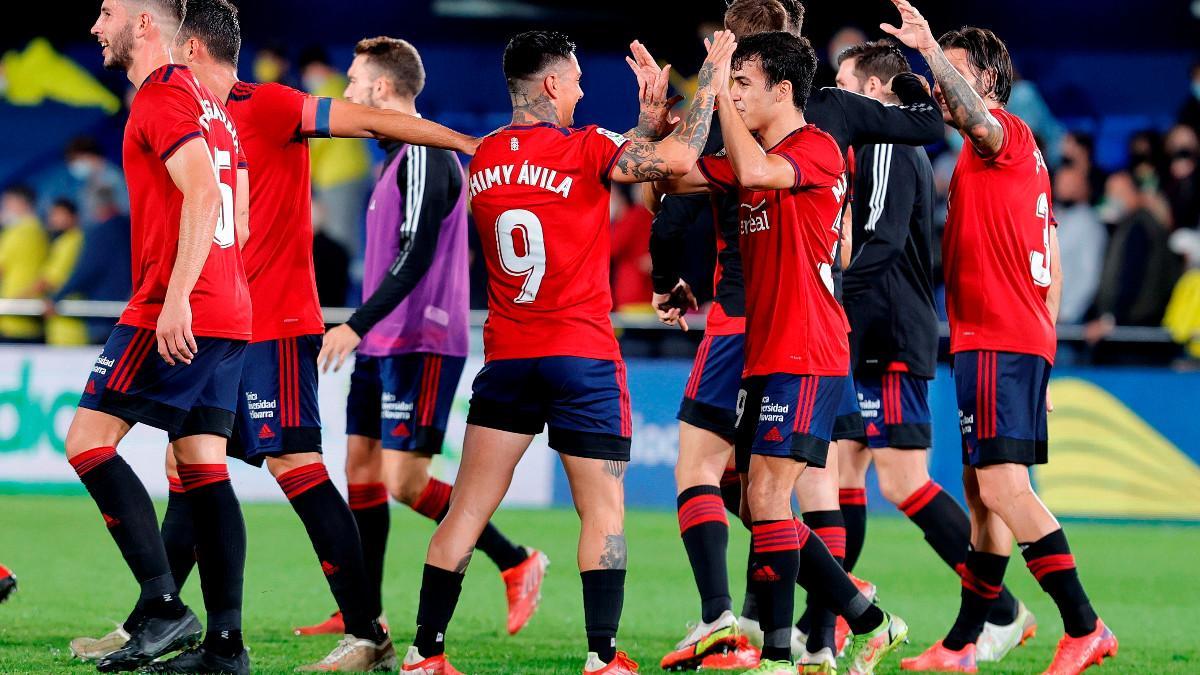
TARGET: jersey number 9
(522,250)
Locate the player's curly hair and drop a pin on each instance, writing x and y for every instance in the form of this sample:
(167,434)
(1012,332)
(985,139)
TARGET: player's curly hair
(528,54)
(215,24)
(988,57)
(879,58)
(781,56)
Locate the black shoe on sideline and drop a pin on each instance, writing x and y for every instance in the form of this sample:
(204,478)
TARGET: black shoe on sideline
(153,638)
(201,660)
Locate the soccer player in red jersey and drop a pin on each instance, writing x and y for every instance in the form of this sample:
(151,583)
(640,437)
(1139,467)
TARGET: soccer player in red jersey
(191,305)
(277,417)
(8,583)
(790,191)
(540,196)
(1003,285)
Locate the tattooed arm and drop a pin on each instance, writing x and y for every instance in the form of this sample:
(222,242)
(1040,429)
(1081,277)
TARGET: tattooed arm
(676,154)
(968,112)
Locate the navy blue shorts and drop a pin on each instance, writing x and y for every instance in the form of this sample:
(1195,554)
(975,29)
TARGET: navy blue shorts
(848,425)
(895,410)
(584,402)
(1002,407)
(131,381)
(277,400)
(403,400)
(784,415)
(710,399)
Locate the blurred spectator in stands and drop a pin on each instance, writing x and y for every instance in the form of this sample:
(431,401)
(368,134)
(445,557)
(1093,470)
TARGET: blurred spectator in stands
(1189,114)
(1082,241)
(84,173)
(271,64)
(631,285)
(65,246)
(41,74)
(340,167)
(846,36)
(102,269)
(1147,160)
(1027,103)
(1182,185)
(1139,268)
(23,247)
(331,264)
(1079,151)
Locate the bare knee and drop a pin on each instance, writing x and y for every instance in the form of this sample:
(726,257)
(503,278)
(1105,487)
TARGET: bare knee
(285,463)
(363,460)
(1000,492)
(407,481)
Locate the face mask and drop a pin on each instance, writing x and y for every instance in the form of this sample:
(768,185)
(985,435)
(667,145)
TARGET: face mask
(1195,89)
(80,169)
(1067,204)
(313,83)
(1111,211)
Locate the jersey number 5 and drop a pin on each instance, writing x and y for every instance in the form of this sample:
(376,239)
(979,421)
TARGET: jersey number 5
(1039,261)
(522,250)
(224,234)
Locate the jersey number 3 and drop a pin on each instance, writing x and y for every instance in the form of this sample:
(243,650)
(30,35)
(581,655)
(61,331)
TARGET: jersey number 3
(522,250)
(1039,261)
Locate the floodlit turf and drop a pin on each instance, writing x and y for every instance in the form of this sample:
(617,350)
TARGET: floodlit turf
(73,582)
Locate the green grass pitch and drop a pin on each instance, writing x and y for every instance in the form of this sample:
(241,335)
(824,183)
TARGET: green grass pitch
(73,582)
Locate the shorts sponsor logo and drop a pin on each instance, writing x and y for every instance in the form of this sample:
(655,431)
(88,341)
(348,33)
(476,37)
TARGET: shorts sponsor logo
(773,435)
(966,422)
(869,407)
(872,430)
(772,412)
(391,408)
(260,408)
(265,432)
(103,363)
(401,431)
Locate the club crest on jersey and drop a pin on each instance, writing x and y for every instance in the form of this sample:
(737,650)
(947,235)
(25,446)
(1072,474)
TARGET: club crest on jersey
(754,218)
(514,144)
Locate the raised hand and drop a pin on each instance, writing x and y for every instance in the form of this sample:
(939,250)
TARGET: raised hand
(656,118)
(720,52)
(914,30)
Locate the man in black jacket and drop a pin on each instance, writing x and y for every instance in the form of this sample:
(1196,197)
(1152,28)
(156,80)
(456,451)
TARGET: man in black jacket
(888,295)
(707,413)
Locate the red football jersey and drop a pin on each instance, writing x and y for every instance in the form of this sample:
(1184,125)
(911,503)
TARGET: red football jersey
(275,123)
(996,249)
(794,323)
(170,109)
(540,198)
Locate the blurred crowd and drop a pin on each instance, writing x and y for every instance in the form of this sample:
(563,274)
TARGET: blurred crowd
(1130,238)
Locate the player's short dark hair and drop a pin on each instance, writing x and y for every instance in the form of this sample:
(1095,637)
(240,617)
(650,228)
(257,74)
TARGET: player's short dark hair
(22,191)
(782,56)
(66,205)
(879,58)
(397,60)
(215,23)
(83,145)
(529,53)
(751,17)
(176,10)
(987,56)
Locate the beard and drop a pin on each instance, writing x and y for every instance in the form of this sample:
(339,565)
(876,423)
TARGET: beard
(120,49)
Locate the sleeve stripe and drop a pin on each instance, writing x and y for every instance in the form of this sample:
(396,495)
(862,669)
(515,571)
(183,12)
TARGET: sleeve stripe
(607,175)
(881,172)
(413,201)
(178,144)
(795,167)
(314,119)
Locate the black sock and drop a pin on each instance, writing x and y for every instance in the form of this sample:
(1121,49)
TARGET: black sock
(829,526)
(129,515)
(775,562)
(749,601)
(226,643)
(603,600)
(220,549)
(854,512)
(705,533)
(439,596)
(334,536)
(1052,564)
(369,504)
(982,575)
(822,575)
(179,537)
(947,528)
